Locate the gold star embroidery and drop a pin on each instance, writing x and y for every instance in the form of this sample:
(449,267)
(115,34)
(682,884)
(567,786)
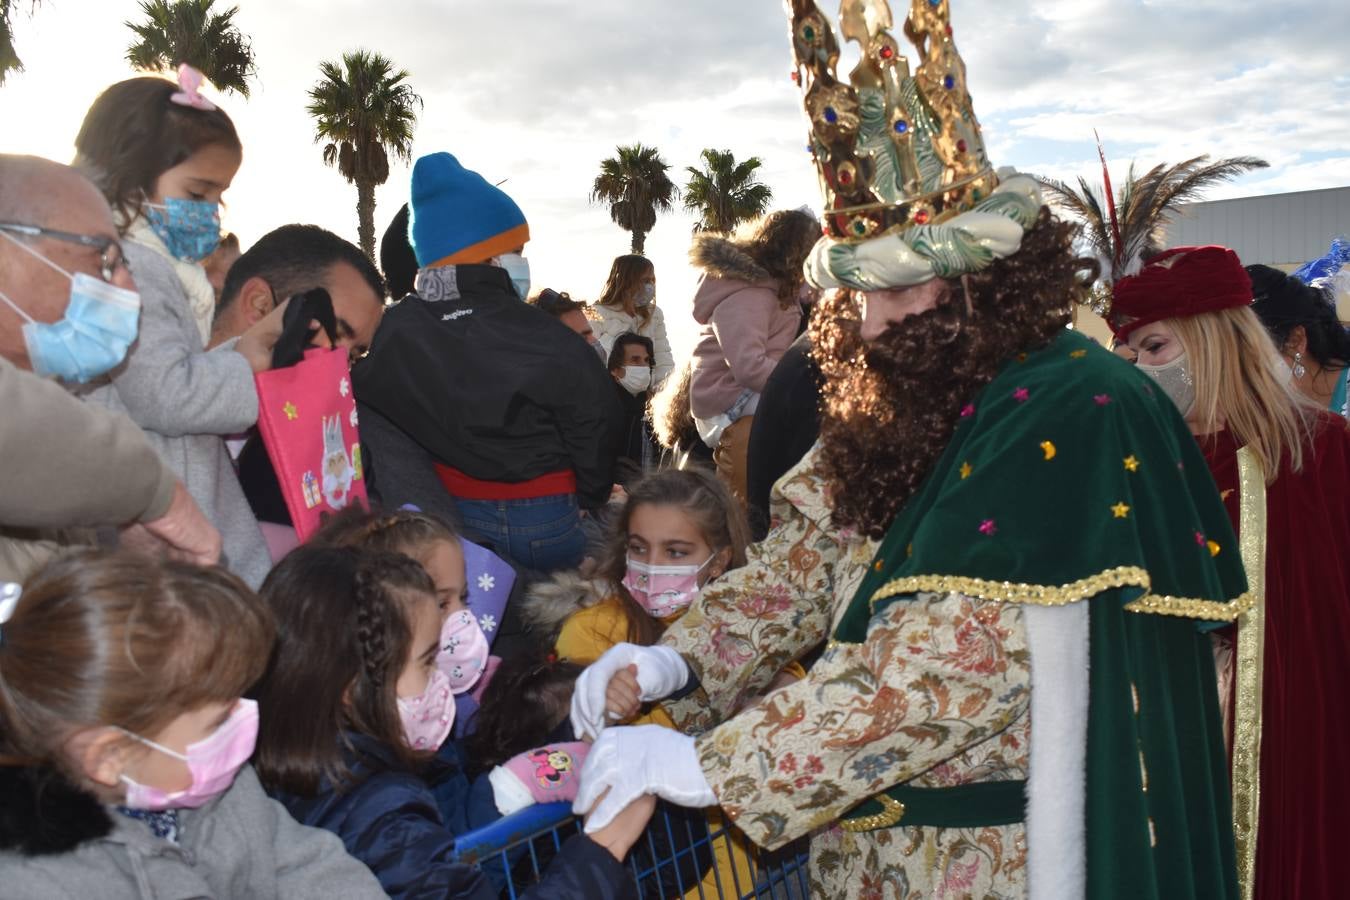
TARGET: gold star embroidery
(1078,354)
(1131,463)
(966,469)
(1214,548)
(879,565)
(1048,448)
(291,412)
(1121,510)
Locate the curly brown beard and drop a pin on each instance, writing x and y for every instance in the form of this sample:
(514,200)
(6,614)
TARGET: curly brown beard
(888,408)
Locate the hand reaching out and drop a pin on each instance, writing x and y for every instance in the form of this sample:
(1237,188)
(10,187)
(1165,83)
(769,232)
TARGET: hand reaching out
(619,836)
(623,697)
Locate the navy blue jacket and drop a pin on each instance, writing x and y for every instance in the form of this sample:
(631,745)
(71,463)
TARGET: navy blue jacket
(389,820)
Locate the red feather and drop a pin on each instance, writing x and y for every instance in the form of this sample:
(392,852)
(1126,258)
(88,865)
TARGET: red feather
(1110,201)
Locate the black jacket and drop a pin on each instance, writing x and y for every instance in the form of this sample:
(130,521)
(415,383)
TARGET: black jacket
(493,386)
(390,821)
(787,423)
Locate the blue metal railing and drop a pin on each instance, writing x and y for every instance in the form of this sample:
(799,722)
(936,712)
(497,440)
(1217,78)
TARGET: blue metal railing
(679,855)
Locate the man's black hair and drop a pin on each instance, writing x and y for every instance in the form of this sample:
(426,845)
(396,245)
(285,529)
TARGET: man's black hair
(622,341)
(556,303)
(296,258)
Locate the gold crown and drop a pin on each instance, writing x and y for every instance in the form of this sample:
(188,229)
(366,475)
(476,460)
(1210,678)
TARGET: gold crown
(893,149)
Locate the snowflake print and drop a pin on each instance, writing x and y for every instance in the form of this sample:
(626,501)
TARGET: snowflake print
(352,417)
(486,582)
(488,623)
(344,387)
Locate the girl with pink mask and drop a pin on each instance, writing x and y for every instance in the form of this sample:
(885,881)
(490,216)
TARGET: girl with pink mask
(679,530)
(359,696)
(124,740)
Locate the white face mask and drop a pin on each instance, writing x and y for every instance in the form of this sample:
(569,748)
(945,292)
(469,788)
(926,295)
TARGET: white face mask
(636,379)
(1176,382)
(518,267)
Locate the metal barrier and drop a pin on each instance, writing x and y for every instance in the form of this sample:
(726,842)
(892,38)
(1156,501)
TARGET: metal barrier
(683,853)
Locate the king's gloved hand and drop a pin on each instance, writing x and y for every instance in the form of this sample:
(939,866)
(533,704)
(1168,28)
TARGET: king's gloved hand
(660,672)
(630,762)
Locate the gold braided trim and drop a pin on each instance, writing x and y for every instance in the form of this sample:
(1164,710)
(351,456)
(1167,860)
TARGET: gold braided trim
(917,198)
(1250,670)
(1062,595)
(892,811)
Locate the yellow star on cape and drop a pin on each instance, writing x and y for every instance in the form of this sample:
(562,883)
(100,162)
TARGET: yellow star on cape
(1214,548)
(1131,463)
(1078,354)
(966,469)
(1048,448)
(1121,510)
(291,412)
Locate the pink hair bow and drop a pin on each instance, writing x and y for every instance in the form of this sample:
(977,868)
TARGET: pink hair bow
(190,80)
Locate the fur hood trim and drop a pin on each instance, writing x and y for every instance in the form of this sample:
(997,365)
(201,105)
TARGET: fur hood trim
(723,258)
(547,604)
(44,814)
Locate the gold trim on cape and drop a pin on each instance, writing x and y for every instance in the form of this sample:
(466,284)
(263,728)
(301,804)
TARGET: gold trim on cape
(1062,595)
(892,811)
(1250,669)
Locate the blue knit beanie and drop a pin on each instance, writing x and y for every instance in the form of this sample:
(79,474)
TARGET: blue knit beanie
(457,217)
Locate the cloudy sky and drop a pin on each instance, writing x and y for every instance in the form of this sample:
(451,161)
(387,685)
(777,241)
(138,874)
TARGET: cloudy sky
(539,91)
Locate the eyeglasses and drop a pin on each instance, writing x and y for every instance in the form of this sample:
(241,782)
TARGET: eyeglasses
(110,251)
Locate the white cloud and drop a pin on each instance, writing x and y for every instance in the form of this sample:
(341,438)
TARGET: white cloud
(539,91)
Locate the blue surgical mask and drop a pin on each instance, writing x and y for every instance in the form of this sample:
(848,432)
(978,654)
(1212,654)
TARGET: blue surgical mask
(91,338)
(518,267)
(190,229)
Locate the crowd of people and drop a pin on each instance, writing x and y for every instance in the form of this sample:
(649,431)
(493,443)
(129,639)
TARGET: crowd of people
(898,563)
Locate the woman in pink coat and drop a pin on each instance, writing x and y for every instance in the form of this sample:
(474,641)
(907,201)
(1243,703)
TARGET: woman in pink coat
(748,310)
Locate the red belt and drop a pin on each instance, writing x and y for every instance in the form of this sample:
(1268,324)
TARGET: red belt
(466,487)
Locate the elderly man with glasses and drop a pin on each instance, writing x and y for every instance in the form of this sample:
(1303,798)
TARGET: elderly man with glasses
(69,311)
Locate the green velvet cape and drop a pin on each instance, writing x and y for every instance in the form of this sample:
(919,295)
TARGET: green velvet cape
(1072,478)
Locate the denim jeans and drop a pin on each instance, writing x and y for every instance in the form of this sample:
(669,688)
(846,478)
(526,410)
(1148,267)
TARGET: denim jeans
(542,533)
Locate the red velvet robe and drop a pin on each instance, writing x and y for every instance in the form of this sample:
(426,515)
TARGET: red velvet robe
(1305,734)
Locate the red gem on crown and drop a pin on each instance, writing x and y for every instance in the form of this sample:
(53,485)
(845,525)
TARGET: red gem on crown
(921,217)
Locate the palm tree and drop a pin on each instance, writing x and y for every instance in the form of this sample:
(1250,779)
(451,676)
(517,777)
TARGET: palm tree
(635,185)
(724,192)
(1124,228)
(190,31)
(364,111)
(9,58)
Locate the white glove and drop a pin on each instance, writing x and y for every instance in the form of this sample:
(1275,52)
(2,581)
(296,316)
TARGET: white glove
(630,762)
(660,672)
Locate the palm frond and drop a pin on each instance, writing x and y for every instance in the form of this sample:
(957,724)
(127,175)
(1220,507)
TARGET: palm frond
(192,32)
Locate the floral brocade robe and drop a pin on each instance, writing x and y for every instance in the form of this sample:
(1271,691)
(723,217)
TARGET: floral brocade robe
(938,695)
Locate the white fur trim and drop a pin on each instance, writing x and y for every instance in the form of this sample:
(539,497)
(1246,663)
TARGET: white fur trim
(1057,637)
(508,792)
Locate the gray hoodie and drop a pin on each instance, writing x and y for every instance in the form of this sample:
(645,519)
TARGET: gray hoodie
(241,845)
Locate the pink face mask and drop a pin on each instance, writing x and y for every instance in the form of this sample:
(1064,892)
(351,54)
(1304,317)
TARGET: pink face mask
(464,651)
(213,763)
(428,717)
(663,591)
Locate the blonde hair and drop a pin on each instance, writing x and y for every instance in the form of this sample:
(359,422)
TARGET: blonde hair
(1236,369)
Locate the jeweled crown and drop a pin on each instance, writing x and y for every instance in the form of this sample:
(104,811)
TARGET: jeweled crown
(894,147)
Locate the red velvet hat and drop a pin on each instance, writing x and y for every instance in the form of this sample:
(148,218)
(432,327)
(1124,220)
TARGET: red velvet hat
(1181,282)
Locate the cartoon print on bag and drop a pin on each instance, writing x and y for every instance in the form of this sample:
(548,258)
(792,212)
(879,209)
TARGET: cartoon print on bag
(309,487)
(550,766)
(338,471)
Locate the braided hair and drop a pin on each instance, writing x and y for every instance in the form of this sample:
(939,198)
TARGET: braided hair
(344,622)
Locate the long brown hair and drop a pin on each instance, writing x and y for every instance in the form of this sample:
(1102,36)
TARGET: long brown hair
(344,623)
(889,407)
(528,697)
(134,133)
(779,243)
(112,639)
(625,276)
(1236,367)
(707,502)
